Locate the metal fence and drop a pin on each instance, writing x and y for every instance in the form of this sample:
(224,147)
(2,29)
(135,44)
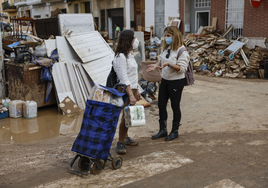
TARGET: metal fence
(235,17)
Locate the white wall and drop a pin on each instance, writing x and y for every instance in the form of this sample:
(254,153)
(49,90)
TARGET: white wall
(149,14)
(42,11)
(171,9)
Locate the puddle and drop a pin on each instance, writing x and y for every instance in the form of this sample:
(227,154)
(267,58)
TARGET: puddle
(49,124)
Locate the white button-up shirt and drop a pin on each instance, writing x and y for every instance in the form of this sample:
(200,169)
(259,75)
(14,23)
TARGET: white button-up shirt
(126,70)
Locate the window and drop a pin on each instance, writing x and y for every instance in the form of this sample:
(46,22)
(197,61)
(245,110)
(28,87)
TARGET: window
(96,19)
(63,11)
(103,20)
(28,13)
(201,3)
(235,17)
(37,16)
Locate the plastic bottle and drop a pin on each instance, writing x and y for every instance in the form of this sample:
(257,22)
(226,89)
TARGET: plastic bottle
(15,108)
(31,50)
(29,109)
(5,102)
(11,109)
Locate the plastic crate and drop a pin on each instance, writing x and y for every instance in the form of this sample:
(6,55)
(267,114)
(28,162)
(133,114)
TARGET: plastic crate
(3,115)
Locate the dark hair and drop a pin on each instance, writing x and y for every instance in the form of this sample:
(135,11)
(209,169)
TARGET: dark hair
(117,24)
(124,43)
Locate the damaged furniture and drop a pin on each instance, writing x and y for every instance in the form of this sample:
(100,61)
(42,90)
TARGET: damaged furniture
(24,84)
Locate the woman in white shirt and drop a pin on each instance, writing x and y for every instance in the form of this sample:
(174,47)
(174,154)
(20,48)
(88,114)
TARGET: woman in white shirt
(173,81)
(126,69)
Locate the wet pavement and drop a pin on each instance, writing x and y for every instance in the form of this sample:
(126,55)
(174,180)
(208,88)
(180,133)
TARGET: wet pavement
(223,143)
(50,123)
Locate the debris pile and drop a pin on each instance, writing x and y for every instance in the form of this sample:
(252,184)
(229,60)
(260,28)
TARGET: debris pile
(214,55)
(153,48)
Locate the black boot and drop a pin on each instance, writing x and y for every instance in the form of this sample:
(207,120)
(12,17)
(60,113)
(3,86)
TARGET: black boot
(174,133)
(163,130)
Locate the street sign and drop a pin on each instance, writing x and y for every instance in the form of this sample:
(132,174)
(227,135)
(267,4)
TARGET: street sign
(255,3)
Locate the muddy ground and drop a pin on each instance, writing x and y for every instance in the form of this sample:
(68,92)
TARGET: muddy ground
(223,143)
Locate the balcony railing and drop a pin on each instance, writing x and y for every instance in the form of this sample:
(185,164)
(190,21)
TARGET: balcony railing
(7,6)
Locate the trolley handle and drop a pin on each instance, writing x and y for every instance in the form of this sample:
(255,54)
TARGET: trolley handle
(123,85)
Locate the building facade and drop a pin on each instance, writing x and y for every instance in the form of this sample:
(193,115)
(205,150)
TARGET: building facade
(40,8)
(8,10)
(132,14)
(247,20)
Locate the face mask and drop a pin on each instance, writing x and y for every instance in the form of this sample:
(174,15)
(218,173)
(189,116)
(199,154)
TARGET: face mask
(169,40)
(135,44)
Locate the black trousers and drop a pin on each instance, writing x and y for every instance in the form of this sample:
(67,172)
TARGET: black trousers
(170,89)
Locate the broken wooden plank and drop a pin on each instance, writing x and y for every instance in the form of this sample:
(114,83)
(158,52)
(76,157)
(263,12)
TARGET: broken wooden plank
(229,29)
(34,37)
(214,22)
(244,57)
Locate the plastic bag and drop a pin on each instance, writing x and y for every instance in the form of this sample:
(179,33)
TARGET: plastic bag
(153,55)
(101,94)
(40,51)
(5,102)
(115,100)
(218,73)
(155,40)
(134,116)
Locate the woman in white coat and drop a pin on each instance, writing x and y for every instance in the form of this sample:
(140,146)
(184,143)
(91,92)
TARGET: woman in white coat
(126,69)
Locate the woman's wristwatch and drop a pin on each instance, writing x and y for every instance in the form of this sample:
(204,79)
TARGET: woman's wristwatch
(170,65)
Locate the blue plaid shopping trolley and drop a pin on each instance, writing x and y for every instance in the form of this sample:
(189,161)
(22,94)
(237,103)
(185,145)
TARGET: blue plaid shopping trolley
(94,140)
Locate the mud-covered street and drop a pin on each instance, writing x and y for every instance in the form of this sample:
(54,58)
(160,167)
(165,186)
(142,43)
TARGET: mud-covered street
(223,143)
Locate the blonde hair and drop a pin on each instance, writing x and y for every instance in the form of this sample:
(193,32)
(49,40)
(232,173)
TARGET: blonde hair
(177,38)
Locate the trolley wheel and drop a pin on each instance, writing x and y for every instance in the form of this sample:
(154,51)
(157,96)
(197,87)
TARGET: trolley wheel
(84,163)
(231,56)
(221,52)
(117,162)
(97,167)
